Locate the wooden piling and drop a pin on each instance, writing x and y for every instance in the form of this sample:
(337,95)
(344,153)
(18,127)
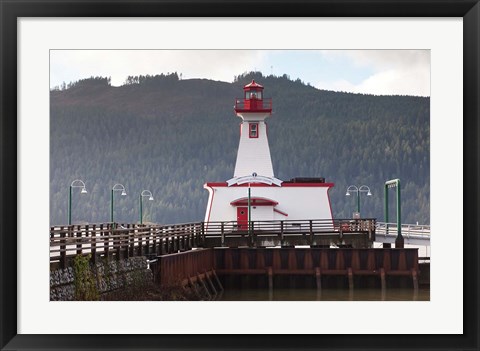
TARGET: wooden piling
(318,278)
(194,287)
(402,261)
(260,258)
(324,259)
(199,278)
(292,259)
(356,259)
(415,279)
(207,276)
(270,278)
(220,286)
(307,260)
(382,279)
(350,279)
(340,261)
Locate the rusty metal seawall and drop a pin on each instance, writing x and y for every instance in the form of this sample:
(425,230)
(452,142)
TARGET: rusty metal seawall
(305,260)
(175,268)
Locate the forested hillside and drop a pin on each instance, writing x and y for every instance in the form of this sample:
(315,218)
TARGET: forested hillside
(170,136)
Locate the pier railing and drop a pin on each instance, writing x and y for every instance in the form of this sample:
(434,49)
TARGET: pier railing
(295,232)
(413,234)
(120,240)
(127,240)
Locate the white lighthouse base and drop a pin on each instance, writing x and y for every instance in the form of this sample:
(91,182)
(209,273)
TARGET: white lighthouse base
(289,201)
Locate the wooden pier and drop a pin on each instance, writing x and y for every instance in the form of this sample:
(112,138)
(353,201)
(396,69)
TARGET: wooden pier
(117,241)
(200,255)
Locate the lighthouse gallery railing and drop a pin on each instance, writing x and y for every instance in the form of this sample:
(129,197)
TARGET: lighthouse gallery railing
(245,104)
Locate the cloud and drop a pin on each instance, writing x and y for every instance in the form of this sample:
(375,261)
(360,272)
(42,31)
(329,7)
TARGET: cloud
(390,58)
(397,82)
(337,85)
(72,65)
(396,72)
(381,72)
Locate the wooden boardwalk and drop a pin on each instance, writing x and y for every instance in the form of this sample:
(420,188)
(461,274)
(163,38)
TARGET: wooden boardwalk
(112,240)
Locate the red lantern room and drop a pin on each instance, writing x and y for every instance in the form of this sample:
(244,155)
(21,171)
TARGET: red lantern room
(253,100)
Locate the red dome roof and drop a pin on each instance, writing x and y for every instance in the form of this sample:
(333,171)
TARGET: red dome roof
(253,84)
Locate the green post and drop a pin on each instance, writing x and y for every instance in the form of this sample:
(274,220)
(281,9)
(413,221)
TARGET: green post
(141,209)
(70,206)
(358,202)
(144,193)
(386,203)
(77,183)
(111,207)
(399,241)
(386,207)
(249,217)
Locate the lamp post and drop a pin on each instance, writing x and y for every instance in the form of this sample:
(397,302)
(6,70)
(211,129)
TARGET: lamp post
(395,183)
(362,189)
(116,187)
(254,174)
(77,183)
(144,193)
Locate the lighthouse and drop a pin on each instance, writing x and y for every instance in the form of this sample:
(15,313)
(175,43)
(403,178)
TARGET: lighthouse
(253,151)
(254,193)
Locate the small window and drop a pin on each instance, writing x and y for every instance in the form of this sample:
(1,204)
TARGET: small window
(253,130)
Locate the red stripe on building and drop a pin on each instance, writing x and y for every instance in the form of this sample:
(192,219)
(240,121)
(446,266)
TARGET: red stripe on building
(281,212)
(286,185)
(254,201)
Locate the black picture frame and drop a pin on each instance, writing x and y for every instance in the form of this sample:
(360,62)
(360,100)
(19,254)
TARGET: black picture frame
(11,10)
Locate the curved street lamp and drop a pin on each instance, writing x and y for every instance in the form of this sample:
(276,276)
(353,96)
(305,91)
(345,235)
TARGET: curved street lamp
(150,198)
(395,183)
(116,187)
(77,183)
(362,189)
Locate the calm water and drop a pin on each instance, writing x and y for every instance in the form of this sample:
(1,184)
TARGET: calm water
(423,294)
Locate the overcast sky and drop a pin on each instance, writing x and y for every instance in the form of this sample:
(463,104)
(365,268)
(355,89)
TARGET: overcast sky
(379,72)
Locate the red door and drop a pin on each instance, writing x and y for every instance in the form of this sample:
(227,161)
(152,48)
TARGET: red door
(242,218)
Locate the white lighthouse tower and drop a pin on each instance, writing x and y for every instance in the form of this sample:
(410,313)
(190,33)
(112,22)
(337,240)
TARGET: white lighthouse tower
(253,151)
(254,187)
